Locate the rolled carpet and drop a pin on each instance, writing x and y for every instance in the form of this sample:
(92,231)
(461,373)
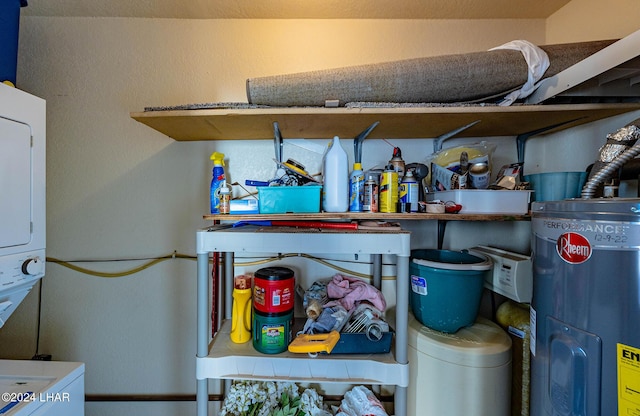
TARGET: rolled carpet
(465,77)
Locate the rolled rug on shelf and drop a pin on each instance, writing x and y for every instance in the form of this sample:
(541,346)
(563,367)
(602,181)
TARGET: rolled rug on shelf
(452,78)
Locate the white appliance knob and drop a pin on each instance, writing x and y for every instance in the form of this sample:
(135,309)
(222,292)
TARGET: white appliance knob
(33,266)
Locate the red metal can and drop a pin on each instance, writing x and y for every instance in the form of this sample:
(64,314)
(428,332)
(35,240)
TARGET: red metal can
(273,290)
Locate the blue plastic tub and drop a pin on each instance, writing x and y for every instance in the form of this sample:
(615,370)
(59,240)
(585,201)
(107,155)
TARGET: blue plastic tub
(289,199)
(556,186)
(9,28)
(446,288)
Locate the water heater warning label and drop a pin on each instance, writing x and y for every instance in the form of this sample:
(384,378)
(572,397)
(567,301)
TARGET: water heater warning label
(628,381)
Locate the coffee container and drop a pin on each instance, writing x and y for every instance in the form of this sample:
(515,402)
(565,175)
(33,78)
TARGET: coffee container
(479,175)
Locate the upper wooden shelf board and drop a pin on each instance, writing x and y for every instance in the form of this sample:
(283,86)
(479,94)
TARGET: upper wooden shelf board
(395,122)
(378,216)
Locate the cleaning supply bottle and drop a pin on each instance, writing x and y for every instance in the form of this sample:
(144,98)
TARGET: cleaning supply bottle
(335,171)
(356,188)
(241,316)
(217,179)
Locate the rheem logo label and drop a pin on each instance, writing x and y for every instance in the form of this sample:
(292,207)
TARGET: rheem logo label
(573,248)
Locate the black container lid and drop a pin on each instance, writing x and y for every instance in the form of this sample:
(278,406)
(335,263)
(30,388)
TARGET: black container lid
(274,273)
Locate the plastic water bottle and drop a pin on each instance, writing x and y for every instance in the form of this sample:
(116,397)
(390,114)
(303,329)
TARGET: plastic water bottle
(217,179)
(356,188)
(335,172)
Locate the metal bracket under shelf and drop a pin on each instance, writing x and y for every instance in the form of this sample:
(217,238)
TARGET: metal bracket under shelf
(614,70)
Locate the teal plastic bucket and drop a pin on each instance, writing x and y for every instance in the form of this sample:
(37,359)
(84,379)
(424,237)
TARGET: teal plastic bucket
(446,287)
(556,186)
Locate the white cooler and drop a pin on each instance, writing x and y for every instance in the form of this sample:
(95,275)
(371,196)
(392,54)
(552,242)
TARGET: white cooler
(466,373)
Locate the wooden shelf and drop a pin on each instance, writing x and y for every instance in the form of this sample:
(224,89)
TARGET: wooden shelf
(403,122)
(352,216)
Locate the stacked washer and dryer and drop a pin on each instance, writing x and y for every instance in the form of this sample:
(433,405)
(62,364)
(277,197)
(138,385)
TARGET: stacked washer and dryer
(27,387)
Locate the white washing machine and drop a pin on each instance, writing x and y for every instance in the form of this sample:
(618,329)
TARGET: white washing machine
(50,388)
(28,387)
(460,374)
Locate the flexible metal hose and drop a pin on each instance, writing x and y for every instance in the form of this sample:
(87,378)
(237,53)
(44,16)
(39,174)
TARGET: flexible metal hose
(589,188)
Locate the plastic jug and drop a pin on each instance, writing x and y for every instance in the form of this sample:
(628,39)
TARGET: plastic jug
(241,316)
(335,171)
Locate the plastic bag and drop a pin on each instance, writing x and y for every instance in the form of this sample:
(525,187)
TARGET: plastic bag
(446,171)
(360,401)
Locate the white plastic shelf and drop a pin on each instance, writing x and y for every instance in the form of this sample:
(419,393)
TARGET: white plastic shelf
(222,359)
(228,360)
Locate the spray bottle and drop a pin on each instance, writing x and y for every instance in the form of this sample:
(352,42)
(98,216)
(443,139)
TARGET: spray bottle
(356,188)
(218,178)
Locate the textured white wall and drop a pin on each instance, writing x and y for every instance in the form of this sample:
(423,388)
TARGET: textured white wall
(117,189)
(584,20)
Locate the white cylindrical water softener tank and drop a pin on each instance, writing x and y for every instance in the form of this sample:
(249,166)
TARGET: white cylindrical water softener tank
(461,374)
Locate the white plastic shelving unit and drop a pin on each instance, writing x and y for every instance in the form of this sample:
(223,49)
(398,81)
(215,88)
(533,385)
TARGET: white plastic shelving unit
(222,359)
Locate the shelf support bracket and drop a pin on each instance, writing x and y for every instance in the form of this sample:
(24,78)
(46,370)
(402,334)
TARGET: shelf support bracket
(442,226)
(277,141)
(521,139)
(437,144)
(357,142)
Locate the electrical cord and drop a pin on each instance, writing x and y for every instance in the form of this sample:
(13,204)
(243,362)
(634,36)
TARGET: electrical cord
(68,264)
(37,352)
(175,255)
(156,260)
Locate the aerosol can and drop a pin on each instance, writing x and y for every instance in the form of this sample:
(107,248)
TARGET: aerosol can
(388,200)
(409,191)
(370,194)
(398,163)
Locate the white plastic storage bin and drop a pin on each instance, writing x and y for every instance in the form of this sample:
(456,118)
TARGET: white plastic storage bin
(461,374)
(485,201)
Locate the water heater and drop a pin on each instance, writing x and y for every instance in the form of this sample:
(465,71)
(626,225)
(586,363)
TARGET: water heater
(585,315)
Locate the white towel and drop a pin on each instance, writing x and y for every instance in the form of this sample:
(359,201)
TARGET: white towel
(537,61)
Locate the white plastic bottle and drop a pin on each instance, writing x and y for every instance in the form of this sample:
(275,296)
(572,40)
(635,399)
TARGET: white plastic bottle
(335,172)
